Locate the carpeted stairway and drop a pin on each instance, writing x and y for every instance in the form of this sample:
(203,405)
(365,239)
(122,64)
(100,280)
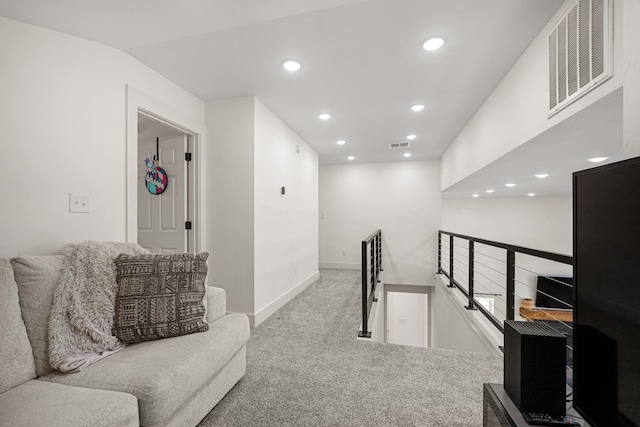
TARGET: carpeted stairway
(306,368)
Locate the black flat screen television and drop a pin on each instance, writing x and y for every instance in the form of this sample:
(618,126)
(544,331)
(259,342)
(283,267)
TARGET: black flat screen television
(606,372)
(554,292)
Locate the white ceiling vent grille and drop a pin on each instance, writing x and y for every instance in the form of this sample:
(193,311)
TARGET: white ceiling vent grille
(579,52)
(399,145)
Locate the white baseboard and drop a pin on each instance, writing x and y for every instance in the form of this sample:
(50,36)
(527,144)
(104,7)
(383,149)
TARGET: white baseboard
(341,265)
(264,313)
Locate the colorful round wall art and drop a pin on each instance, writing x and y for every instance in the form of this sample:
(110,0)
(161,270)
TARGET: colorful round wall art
(156,179)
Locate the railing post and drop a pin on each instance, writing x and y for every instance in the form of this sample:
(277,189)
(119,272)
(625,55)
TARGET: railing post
(365,315)
(471,269)
(374,267)
(378,257)
(380,251)
(511,283)
(451,283)
(378,261)
(372,261)
(439,252)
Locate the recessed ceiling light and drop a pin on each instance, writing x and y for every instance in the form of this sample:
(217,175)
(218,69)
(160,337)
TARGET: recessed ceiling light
(542,175)
(411,137)
(407,154)
(341,142)
(531,194)
(511,184)
(489,191)
(350,157)
(475,195)
(417,107)
(324,116)
(433,43)
(291,65)
(597,159)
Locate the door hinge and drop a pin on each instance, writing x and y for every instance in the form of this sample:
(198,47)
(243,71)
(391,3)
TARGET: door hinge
(187,157)
(187,225)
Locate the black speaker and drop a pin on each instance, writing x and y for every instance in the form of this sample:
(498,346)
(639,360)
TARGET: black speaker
(535,367)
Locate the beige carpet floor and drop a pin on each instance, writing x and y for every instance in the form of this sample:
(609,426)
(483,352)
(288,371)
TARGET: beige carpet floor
(306,368)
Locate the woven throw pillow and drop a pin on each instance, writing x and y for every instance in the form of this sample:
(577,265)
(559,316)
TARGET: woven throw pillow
(159,296)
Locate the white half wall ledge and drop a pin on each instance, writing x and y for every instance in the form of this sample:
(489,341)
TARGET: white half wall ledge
(515,113)
(265,312)
(328,265)
(488,338)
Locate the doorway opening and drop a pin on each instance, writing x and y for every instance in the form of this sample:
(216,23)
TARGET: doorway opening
(141,104)
(165,216)
(408,315)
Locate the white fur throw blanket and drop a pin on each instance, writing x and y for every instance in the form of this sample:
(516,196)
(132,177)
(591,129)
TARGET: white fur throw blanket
(83,305)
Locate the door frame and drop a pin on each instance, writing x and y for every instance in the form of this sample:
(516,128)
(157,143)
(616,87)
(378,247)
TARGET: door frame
(139,102)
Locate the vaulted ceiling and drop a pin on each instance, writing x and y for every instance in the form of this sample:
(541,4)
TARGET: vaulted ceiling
(362,61)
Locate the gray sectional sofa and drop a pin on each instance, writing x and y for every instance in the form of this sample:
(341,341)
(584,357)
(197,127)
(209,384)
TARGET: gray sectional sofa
(168,382)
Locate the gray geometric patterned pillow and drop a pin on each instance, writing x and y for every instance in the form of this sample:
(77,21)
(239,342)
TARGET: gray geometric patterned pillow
(159,296)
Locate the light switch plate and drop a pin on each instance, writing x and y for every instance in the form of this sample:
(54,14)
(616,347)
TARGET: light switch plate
(79,203)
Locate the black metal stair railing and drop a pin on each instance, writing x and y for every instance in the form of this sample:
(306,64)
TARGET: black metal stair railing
(457,258)
(371,249)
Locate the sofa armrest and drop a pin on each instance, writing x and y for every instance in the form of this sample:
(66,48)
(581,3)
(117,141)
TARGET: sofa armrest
(216,303)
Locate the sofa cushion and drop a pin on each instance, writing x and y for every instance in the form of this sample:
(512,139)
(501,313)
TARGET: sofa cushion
(16,360)
(159,296)
(37,278)
(215,303)
(165,374)
(41,403)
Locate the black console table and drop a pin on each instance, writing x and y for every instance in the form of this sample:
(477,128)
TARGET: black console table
(499,411)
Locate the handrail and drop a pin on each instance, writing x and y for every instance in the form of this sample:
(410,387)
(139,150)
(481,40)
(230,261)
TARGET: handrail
(552,256)
(371,268)
(371,236)
(509,273)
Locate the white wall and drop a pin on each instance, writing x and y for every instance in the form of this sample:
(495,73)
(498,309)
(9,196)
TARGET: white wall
(402,199)
(516,111)
(631,94)
(407,319)
(63,130)
(456,328)
(544,223)
(286,226)
(264,245)
(230,199)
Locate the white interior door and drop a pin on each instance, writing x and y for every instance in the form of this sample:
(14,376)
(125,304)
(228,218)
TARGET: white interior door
(162,217)
(407,318)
